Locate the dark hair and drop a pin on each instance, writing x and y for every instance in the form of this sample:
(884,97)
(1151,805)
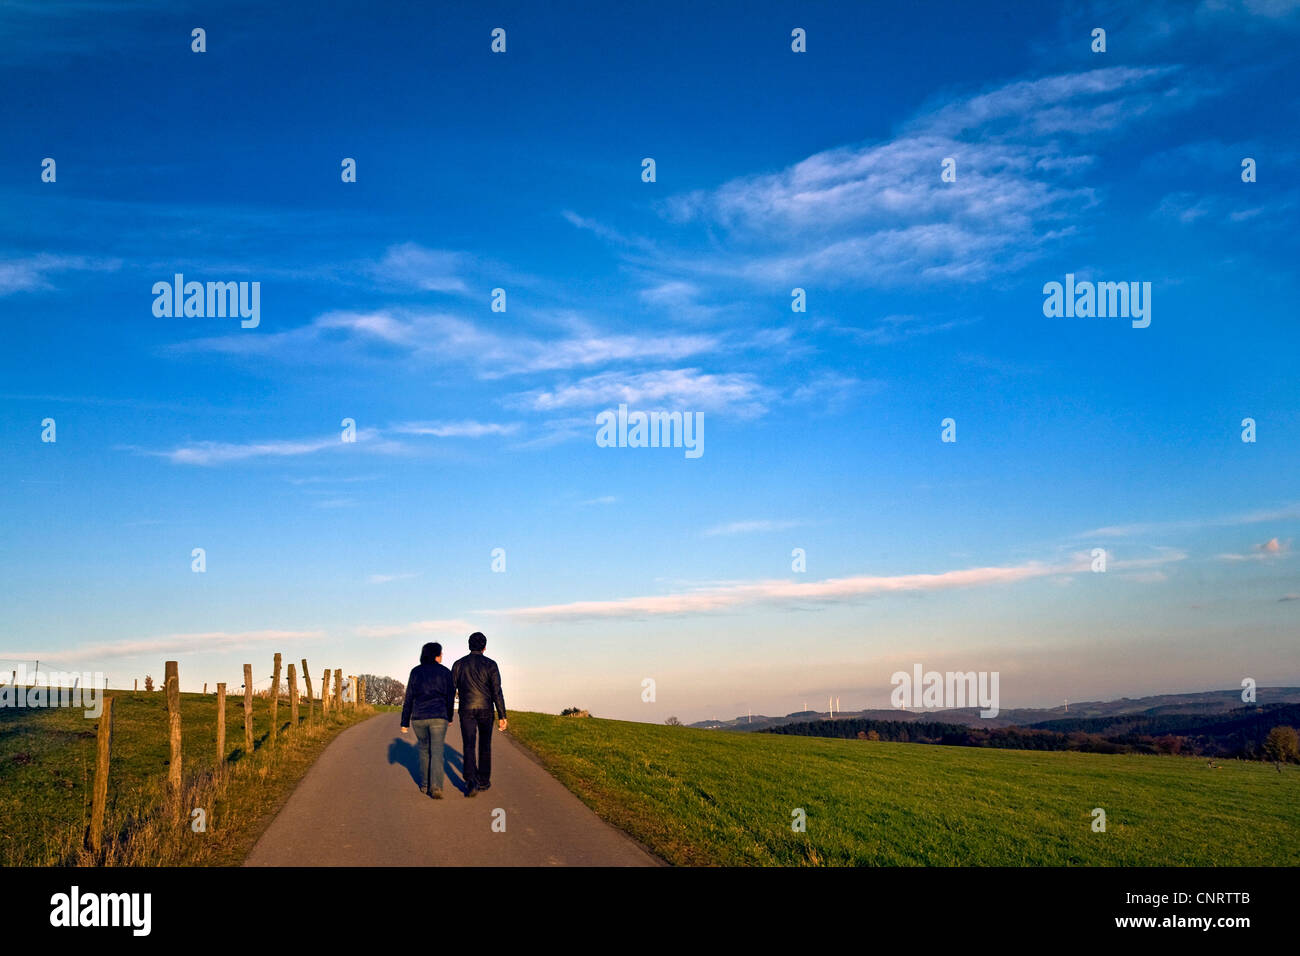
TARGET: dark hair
(477,641)
(430,653)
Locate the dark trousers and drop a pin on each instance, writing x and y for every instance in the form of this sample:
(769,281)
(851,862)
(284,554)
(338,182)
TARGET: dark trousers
(429,735)
(477,725)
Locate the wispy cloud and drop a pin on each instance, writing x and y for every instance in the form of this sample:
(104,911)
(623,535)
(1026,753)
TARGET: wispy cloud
(891,329)
(727,597)
(368,440)
(429,270)
(205,642)
(685,388)
(465,429)
(879,213)
(607,233)
(221,453)
(1272,548)
(812,594)
(1192,524)
(386,578)
(438,338)
(34,273)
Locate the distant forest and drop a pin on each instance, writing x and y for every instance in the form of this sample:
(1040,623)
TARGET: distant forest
(1236,733)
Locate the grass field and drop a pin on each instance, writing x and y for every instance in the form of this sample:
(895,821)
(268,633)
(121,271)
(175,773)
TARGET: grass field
(47,761)
(700,797)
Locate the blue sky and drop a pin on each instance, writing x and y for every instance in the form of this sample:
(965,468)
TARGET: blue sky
(476,429)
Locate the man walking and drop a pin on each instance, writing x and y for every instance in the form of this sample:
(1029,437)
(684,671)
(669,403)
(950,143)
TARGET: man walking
(478,681)
(427,707)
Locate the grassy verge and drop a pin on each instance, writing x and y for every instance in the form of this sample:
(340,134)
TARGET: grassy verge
(47,760)
(710,797)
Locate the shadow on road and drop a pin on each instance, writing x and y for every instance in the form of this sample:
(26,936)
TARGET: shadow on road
(399,751)
(454,767)
(406,754)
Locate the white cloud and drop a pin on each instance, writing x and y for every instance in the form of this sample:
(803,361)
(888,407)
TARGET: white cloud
(205,642)
(220,453)
(685,389)
(1272,548)
(879,214)
(439,338)
(429,270)
(805,594)
(33,273)
(1160,527)
(465,429)
(704,600)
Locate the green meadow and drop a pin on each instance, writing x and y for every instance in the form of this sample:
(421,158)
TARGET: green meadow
(714,797)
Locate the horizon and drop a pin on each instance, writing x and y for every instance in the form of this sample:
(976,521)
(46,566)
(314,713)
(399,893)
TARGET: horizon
(827,535)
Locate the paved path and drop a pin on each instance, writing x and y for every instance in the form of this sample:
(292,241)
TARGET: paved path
(360,805)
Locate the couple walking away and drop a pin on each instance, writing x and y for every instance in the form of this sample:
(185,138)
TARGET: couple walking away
(430,693)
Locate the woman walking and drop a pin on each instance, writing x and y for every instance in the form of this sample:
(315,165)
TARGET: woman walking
(427,708)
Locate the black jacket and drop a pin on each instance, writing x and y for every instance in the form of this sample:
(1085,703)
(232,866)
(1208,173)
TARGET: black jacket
(429,691)
(478,681)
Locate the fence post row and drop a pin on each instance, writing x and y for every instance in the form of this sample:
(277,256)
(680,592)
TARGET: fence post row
(104,731)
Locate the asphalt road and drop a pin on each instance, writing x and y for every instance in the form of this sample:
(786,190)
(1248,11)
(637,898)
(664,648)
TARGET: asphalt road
(360,805)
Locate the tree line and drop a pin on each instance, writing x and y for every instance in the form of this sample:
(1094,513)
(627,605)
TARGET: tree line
(1254,733)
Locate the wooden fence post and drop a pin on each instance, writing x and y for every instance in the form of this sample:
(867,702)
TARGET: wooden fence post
(173,683)
(205,688)
(137,686)
(99,798)
(221,727)
(361,690)
(325,694)
(311,701)
(248,710)
(338,687)
(293,697)
(275,700)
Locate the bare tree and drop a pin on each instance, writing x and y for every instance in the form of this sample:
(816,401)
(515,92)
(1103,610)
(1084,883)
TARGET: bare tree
(383,690)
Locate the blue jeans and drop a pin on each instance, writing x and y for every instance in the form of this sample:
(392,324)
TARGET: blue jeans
(429,735)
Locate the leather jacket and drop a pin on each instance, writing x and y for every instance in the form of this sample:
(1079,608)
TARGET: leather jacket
(478,681)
